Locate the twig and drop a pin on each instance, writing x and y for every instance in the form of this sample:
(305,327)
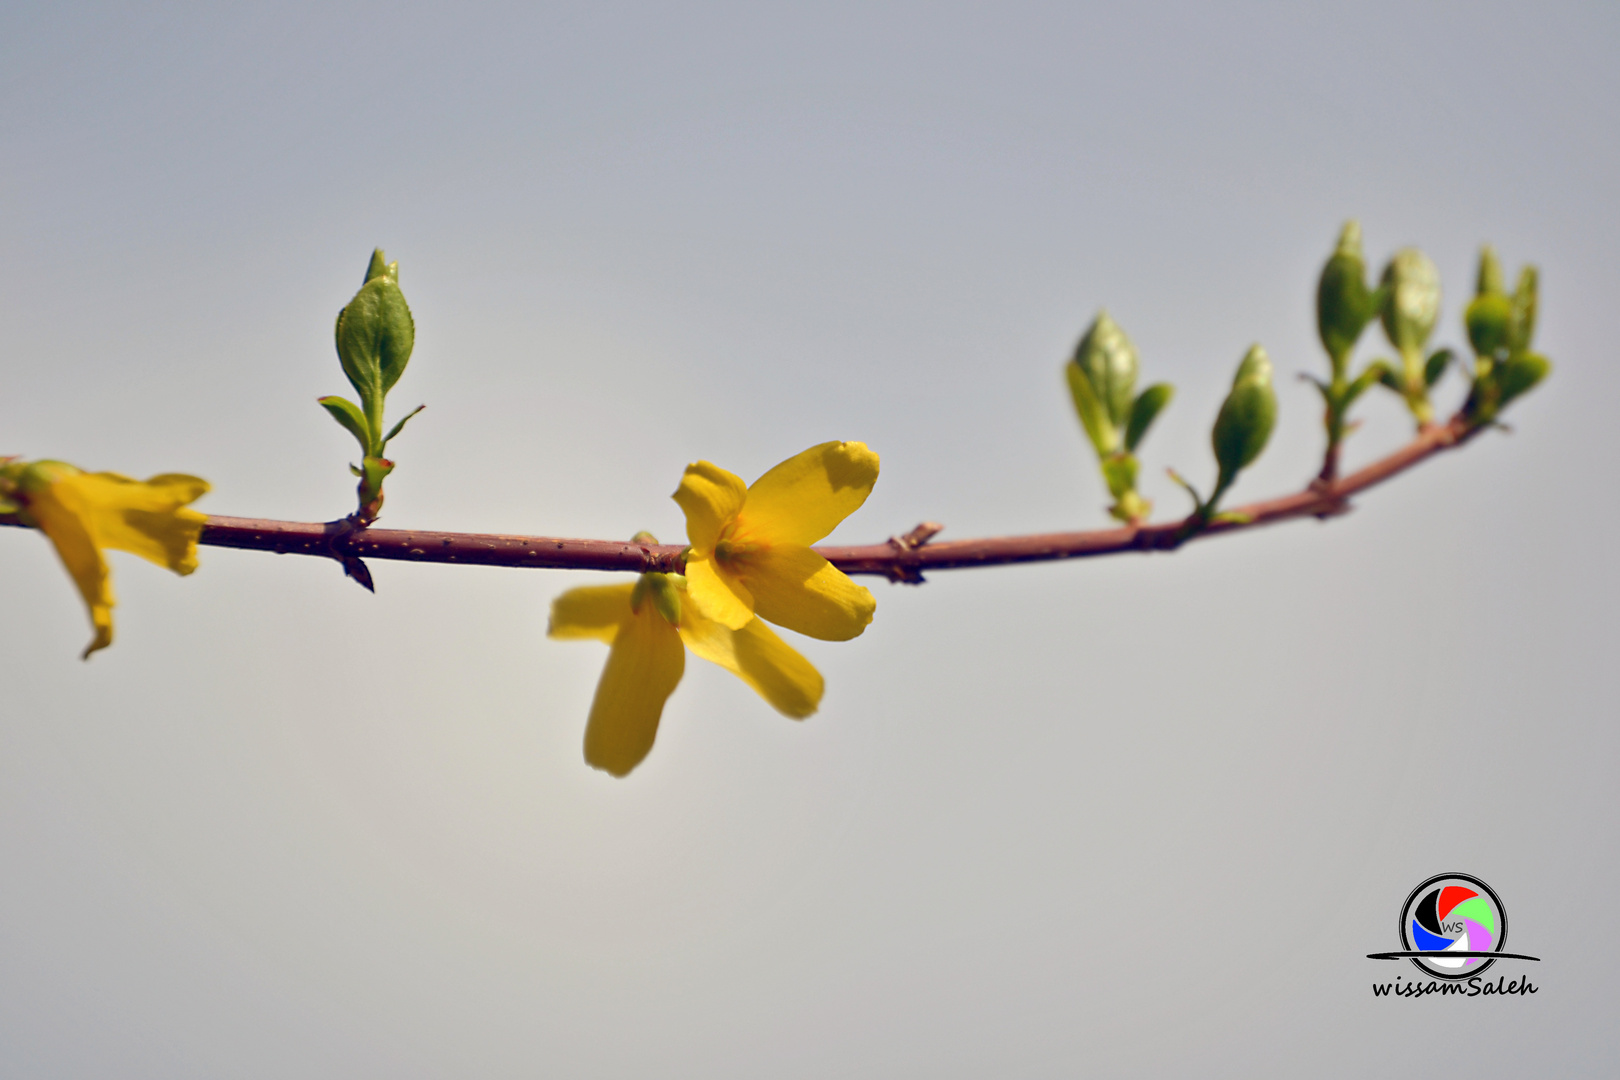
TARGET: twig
(899,559)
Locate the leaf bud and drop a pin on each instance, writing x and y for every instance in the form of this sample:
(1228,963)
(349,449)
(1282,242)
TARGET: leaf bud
(1107,360)
(1344,304)
(1519,374)
(1247,416)
(375,335)
(1412,300)
(1523,325)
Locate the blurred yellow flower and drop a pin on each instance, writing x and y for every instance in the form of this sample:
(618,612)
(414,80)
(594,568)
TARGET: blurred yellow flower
(650,625)
(750,549)
(84,513)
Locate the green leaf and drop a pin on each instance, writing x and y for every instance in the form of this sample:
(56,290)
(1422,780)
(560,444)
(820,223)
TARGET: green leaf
(1093,417)
(349,415)
(1519,374)
(1522,327)
(1436,365)
(1374,372)
(397,428)
(375,335)
(1145,410)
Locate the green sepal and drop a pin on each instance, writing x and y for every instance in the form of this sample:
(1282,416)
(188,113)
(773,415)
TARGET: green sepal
(1522,326)
(397,428)
(1243,426)
(1093,418)
(1411,301)
(1144,410)
(353,420)
(1436,365)
(1519,374)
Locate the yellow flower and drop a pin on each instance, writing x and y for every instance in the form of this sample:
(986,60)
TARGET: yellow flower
(83,513)
(750,549)
(650,627)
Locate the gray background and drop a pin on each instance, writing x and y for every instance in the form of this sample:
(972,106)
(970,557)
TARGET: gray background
(1134,817)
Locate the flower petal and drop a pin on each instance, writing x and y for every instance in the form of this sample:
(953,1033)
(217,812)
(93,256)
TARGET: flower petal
(711,497)
(759,658)
(718,592)
(805,497)
(69,533)
(796,588)
(145,518)
(594,611)
(643,668)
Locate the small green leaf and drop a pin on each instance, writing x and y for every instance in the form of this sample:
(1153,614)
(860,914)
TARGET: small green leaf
(349,415)
(375,335)
(1374,372)
(397,428)
(1519,374)
(1145,410)
(1436,365)
(1522,327)
(1093,417)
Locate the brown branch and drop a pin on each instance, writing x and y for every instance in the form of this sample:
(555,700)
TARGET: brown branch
(899,559)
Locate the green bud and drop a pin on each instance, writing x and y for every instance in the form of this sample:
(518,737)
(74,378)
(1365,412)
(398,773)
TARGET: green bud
(1412,300)
(1108,360)
(1247,416)
(1520,373)
(662,592)
(1523,325)
(375,335)
(1488,318)
(1344,304)
(1145,410)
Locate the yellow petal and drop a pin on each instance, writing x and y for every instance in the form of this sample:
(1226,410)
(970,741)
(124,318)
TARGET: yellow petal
(77,549)
(805,497)
(594,611)
(796,588)
(711,497)
(145,518)
(643,668)
(759,658)
(717,592)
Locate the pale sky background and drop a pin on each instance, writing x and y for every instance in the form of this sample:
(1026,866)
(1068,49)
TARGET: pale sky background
(1133,817)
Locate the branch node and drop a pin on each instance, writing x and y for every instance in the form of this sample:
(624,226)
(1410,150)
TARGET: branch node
(902,569)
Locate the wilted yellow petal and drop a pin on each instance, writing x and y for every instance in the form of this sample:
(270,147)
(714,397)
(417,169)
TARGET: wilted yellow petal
(805,497)
(796,588)
(643,668)
(759,658)
(145,518)
(594,611)
(718,592)
(77,549)
(711,497)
